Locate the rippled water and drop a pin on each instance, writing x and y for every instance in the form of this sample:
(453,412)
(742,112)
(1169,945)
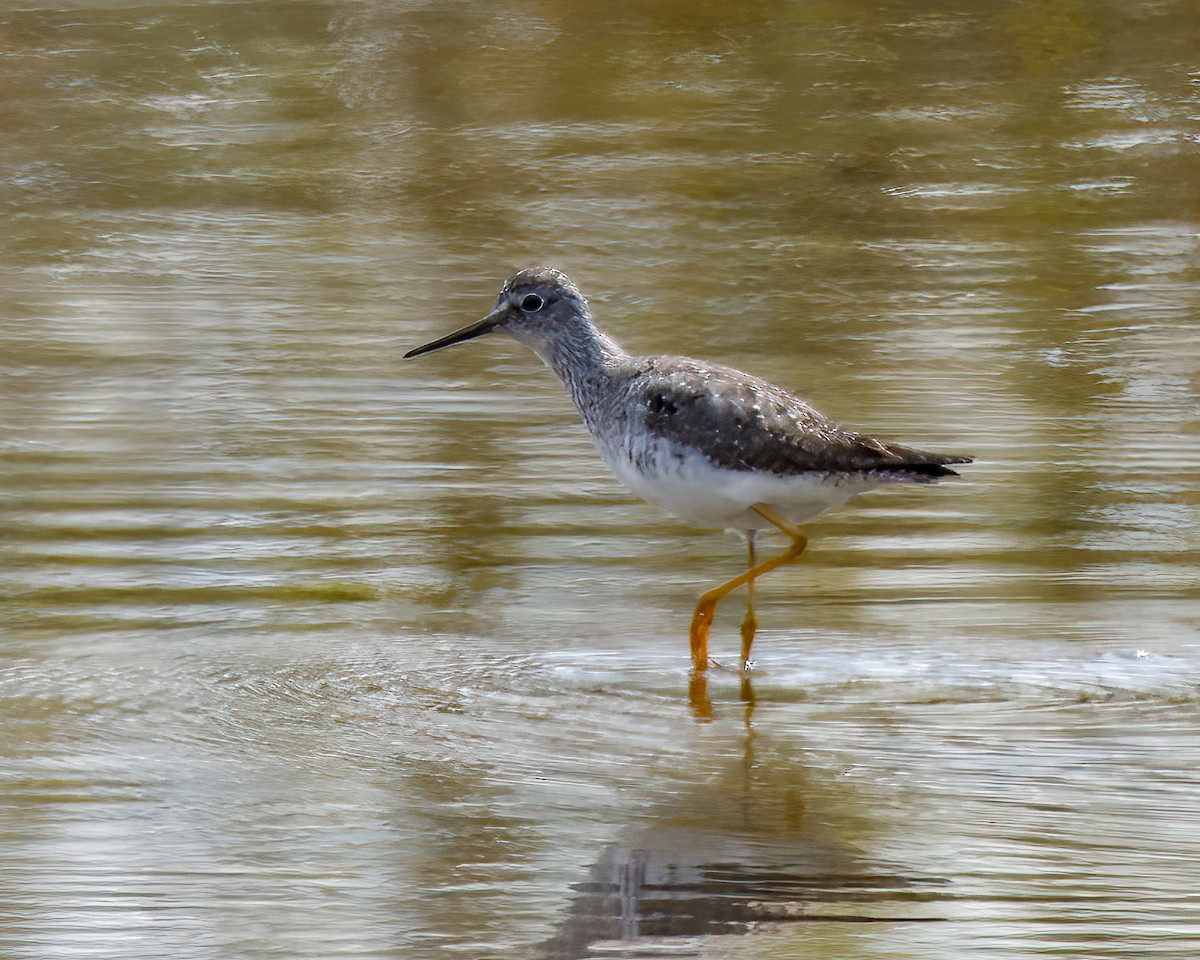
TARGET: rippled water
(309,652)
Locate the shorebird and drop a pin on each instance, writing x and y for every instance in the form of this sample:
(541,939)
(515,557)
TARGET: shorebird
(711,444)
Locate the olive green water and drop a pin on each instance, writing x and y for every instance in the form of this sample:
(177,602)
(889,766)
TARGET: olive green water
(308,652)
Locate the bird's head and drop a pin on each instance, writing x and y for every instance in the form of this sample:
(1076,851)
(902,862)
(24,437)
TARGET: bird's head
(536,306)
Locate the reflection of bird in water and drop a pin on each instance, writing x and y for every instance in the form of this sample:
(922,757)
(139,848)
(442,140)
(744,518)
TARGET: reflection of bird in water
(765,840)
(691,884)
(711,444)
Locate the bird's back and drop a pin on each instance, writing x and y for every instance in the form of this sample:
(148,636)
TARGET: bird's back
(740,422)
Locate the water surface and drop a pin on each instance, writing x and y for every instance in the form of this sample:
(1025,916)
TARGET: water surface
(309,652)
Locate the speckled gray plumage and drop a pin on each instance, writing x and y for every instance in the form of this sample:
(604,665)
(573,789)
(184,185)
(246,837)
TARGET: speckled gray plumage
(734,420)
(741,422)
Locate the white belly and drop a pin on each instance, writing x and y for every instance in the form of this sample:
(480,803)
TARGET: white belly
(687,485)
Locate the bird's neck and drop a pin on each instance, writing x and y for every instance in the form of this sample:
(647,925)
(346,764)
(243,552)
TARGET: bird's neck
(584,358)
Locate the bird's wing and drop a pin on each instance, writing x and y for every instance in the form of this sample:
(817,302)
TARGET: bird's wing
(741,422)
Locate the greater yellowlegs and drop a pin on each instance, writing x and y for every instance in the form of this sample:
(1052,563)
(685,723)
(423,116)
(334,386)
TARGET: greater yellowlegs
(711,444)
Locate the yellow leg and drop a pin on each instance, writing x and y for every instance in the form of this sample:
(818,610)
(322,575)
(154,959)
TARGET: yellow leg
(750,622)
(702,618)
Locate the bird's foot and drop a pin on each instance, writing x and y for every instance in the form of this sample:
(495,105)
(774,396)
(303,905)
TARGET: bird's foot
(701,621)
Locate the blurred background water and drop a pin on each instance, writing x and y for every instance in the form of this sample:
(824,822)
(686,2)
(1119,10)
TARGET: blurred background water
(307,652)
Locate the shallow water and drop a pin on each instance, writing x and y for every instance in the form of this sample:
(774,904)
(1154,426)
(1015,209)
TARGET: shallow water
(309,652)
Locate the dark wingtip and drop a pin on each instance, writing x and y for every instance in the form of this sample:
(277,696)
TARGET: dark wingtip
(934,466)
(929,469)
(939,468)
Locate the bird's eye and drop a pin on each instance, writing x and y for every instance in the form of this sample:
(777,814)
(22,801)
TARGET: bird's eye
(532,303)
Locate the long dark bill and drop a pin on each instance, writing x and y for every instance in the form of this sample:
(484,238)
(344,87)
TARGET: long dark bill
(469,332)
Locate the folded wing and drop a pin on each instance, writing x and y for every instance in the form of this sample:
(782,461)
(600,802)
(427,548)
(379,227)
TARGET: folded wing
(744,423)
